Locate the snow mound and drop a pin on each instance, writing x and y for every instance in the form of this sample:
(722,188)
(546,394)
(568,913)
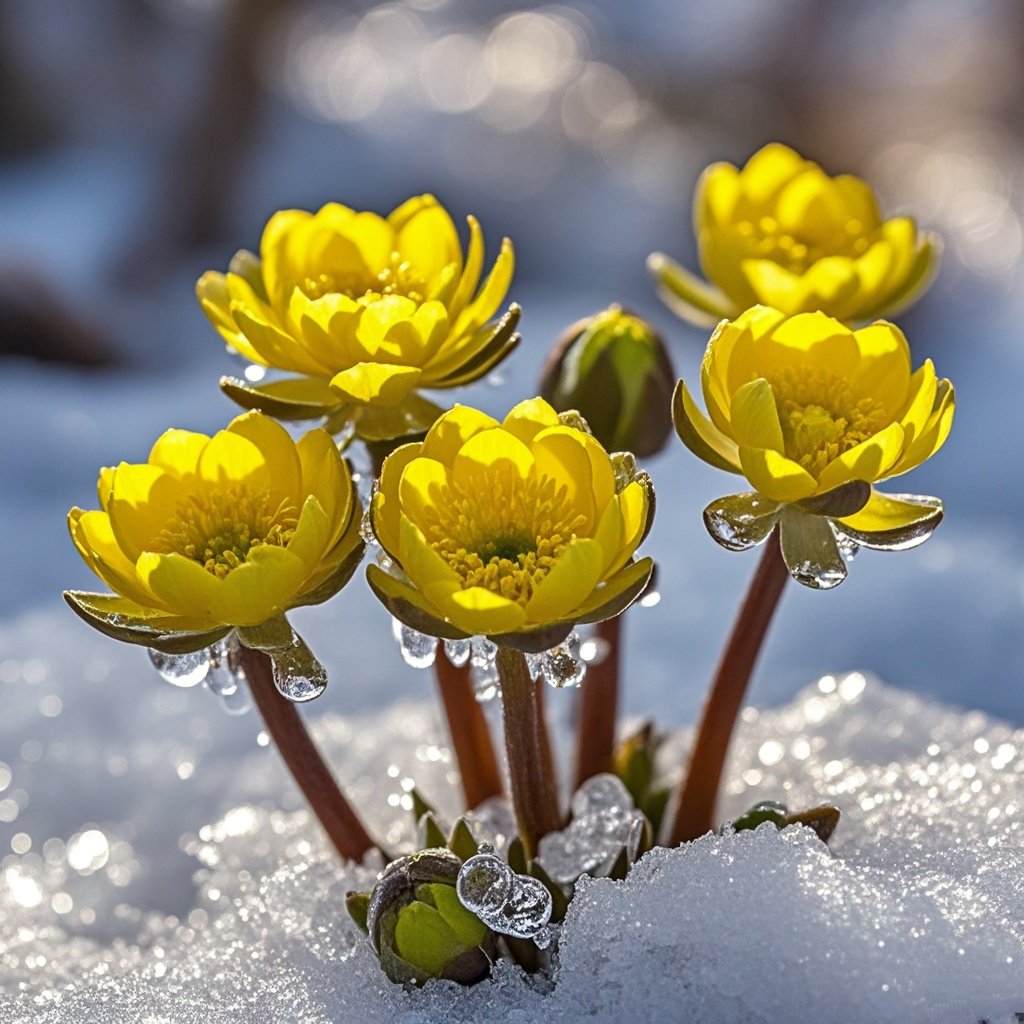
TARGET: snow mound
(117,902)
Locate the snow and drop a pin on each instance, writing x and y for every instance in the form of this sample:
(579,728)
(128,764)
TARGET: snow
(165,871)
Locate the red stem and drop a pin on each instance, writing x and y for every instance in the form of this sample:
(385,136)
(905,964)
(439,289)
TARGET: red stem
(307,767)
(471,738)
(599,707)
(695,809)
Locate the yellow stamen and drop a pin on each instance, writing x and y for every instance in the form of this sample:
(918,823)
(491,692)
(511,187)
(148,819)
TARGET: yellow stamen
(820,416)
(505,536)
(220,528)
(397,278)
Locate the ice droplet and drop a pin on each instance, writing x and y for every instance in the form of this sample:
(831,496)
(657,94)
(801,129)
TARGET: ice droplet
(510,904)
(226,674)
(366,529)
(418,649)
(297,674)
(484,884)
(484,668)
(182,669)
(458,651)
(848,547)
(603,818)
(562,665)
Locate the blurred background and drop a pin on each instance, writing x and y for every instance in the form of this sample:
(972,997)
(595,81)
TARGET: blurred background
(143,141)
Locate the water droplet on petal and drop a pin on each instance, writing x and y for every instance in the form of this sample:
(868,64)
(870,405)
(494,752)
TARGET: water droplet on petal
(298,676)
(458,651)
(562,665)
(182,669)
(418,649)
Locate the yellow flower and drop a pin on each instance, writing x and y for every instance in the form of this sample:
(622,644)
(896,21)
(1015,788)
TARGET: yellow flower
(366,310)
(813,413)
(515,530)
(214,533)
(783,233)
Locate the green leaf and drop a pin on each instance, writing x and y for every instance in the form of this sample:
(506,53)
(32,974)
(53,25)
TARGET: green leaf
(294,398)
(822,820)
(407,605)
(272,635)
(501,340)
(431,835)
(844,500)
(686,295)
(618,593)
(516,856)
(420,806)
(620,868)
(766,810)
(423,938)
(123,620)
(413,415)
(461,841)
(358,905)
(893,522)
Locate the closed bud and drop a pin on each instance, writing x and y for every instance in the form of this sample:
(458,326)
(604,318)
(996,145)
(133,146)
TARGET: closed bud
(613,368)
(419,928)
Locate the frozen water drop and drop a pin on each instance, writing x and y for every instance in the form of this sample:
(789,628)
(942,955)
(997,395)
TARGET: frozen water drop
(847,546)
(298,676)
(546,936)
(484,668)
(226,673)
(625,469)
(484,885)
(418,649)
(182,669)
(527,910)
(604,792)
(458,651)
(366,529)
(562,665)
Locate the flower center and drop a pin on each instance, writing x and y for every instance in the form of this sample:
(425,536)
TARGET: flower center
(397,278)
(764,239)
(506,536)
(821,418)
(218,529)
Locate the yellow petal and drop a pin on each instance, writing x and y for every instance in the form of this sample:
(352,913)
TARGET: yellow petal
(479,611)
(921,404)
(426,569)
(768,170)
(230,458)
(810,207)
(486,456)
(424,487)
(775,476)
(868,461)
(634,506)
(754,416)
(470,277)
(884,371)
(142,499)
(859,201)
(178,451)
(275,347)
(700,435)
(934,435)
(94,538)
(312,536)
(428,240)
(453,430)
(529,418)
(717,192)
(386,502)
(569,583)
(376,383)
(884,512)
(277,448)
(325,475)
(483,307)
(374,237)
(260,588)
(183,586)
(561,456)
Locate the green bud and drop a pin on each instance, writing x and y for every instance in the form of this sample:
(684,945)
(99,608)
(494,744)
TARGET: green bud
(614,369)
(766,810)
(419,928)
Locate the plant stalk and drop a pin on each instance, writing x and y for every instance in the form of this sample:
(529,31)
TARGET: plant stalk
(471,738)
(534,792)
(307,767)
(695,808)
(599,707)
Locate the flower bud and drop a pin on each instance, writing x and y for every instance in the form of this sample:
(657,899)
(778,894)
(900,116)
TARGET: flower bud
(419,928)
(614,369)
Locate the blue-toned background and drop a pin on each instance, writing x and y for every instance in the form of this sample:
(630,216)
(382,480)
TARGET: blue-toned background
(142,143)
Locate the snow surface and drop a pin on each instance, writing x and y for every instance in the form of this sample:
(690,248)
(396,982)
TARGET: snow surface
(144,913)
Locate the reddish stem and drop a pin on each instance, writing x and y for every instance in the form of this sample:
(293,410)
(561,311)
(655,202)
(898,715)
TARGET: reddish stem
(599,706)
(695,808)
(471,738)
(307,767)
(534,794)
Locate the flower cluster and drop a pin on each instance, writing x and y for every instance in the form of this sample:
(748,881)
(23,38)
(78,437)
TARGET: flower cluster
(500,536)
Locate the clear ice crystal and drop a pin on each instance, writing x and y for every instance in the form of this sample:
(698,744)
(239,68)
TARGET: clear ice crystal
(603,819)
(458,651)
(298,676)
(418,649)
(510,904)
(562,666)
(227,679)
(484,668)
(182,670)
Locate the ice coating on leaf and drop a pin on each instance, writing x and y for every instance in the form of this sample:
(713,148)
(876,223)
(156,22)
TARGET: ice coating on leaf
(183,670)
(418,649)
(602,817)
